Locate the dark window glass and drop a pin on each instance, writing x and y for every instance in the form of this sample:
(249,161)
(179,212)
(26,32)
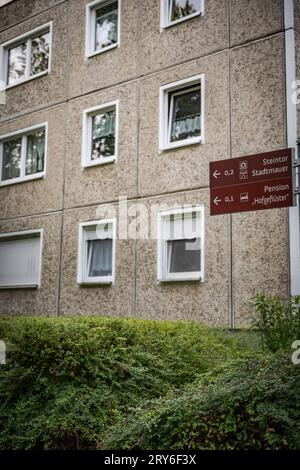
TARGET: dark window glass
(103,135)
(11,165)
(185,119)
(40,47)
(184,255)
(35,153)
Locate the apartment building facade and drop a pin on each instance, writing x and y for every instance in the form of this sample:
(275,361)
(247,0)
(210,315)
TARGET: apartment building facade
(111,113)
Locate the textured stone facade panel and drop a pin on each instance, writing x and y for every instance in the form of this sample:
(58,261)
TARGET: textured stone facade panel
(260,258)
(115,300)
(253,19)
(101,183)
(107,68)
(206,302)
(48,89)
(190,39)
(45,194)
(42,301)
(258,97)
(19,10)
(260,239)
(185,167)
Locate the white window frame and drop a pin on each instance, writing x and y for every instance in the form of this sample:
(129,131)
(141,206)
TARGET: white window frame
(162,268)
(86,151)
(82,277)
(165,13)
(15,42)
(24,234)
(23,134)
(90,28)
(165,112)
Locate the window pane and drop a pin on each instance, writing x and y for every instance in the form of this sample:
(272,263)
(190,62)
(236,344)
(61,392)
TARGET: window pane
(106,25)
(35,152)
(19,261)
(103,135)
(184,255)
(11,159)
(40,53)
(99,257)
(17,64)
(182,8)
(186,122)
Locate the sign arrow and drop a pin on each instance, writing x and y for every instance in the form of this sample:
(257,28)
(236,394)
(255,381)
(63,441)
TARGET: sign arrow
(217,200)
(216,174)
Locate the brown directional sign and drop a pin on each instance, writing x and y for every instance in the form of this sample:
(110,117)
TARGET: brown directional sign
(250,169)
(255,182)
(252,196)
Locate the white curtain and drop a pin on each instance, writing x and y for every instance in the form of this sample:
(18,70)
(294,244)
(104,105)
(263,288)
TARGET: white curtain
(100,257)
(19,261)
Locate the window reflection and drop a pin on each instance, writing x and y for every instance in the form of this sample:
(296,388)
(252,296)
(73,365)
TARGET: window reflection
(28,59)
(11,165)
(40,53)
(17,63)
(103,135)
(35,153)
(106,25)
(182,8)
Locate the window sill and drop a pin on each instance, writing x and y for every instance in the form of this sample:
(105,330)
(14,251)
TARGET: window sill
(22,180)
(21,82)
(181,20)
(183,277)
(182,143)
(104,49)
(197,280)
(19,286)
(95,283)
(103,161)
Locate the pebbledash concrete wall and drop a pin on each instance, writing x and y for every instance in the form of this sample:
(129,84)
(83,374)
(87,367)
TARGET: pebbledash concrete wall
(240,47)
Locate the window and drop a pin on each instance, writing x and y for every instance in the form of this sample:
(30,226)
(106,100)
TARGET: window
(176,11)
(181,245)
(182,113)
(96,252)
(102,26)
(100,134)
(23,155)
(26,57)
(20,259)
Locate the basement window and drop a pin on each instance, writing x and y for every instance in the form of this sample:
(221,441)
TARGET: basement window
(20,259)
(23,155)
(100,134)
(102,26)
(182,113)
(26,57)
(176,11)
(96,252)
(181,245)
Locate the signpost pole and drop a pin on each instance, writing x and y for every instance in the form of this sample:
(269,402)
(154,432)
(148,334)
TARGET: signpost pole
(291,113)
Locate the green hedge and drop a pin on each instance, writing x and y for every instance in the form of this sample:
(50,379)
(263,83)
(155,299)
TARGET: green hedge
(253,403)
(278,320)
(68,379)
